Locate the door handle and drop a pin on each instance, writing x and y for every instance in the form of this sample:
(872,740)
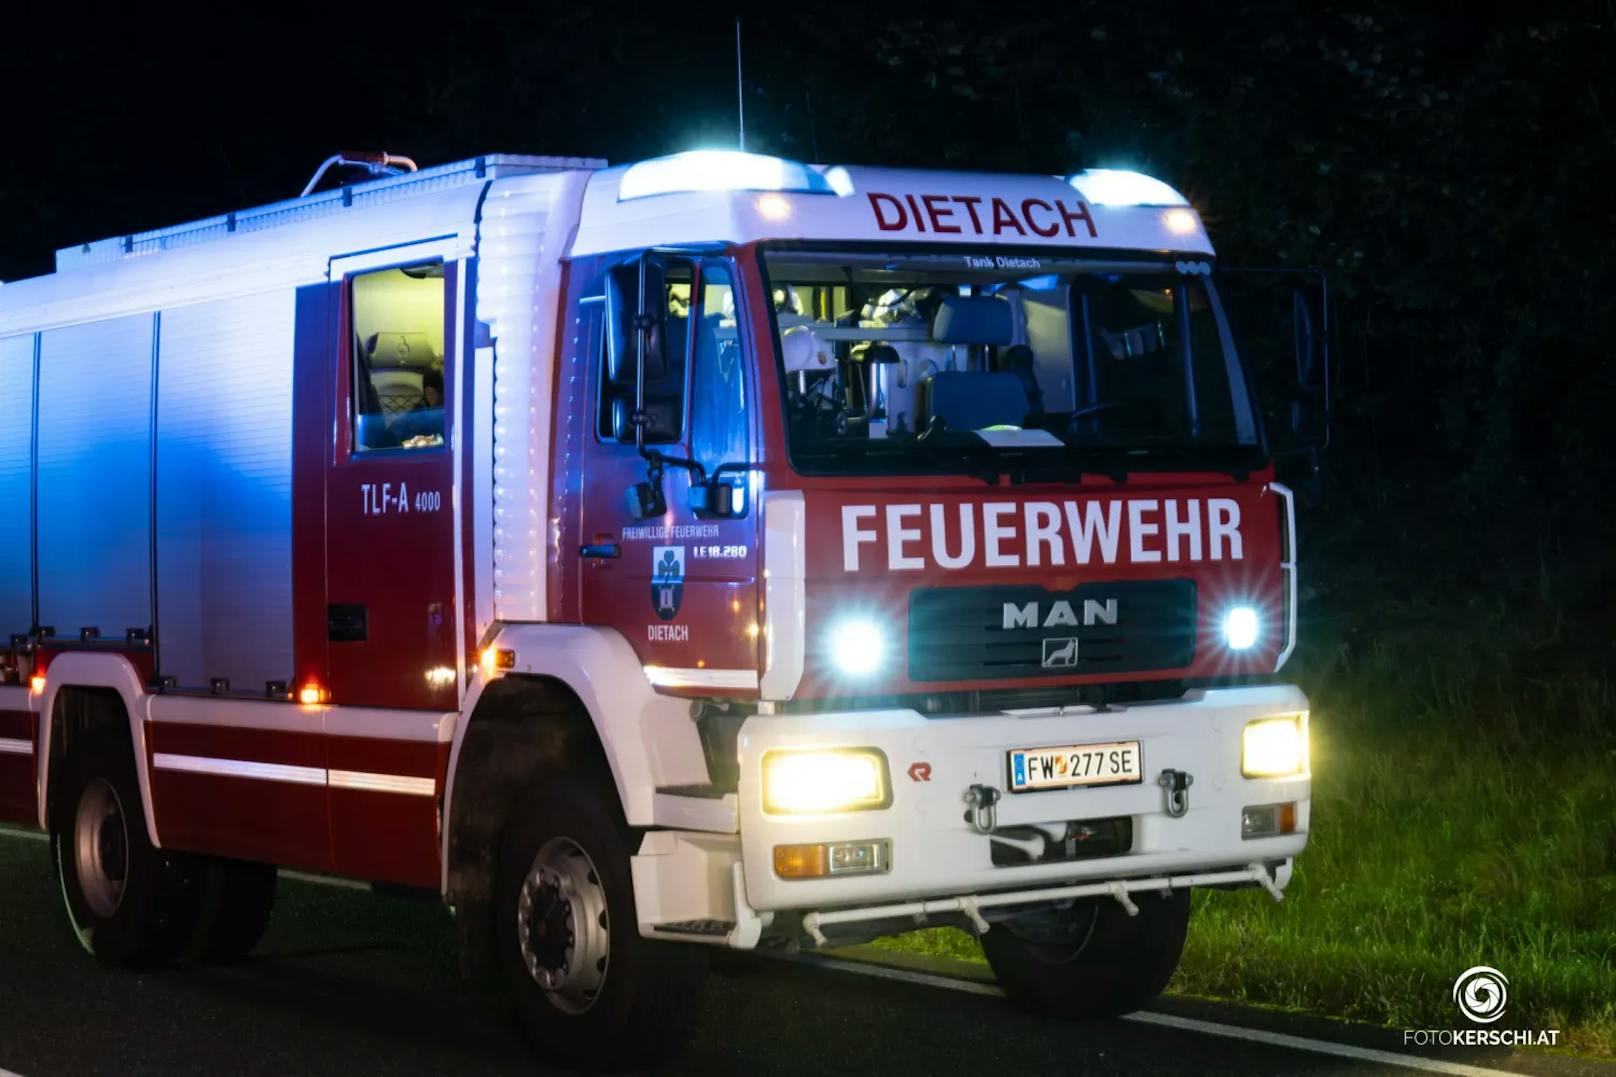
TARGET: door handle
(600,549)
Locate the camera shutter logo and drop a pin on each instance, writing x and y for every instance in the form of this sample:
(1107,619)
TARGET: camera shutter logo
(1481,993)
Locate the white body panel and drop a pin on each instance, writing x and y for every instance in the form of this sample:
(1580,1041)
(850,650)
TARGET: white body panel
(16,490)
(527,224)
(649,738)
(723,890)
(935,852)
(94,476)
(1034,203)
(224,491)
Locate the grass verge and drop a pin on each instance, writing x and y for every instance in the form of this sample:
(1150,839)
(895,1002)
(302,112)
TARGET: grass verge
(1463,814)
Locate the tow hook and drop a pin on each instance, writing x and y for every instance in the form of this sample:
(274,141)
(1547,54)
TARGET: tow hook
(982,816)
(1176,791)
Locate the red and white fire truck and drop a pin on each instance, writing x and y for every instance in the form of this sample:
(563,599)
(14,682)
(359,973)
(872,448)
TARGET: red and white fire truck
(712,551)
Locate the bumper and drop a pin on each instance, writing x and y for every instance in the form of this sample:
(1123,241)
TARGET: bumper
(936,855)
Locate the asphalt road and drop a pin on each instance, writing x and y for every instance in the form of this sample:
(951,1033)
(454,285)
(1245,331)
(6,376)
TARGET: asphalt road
(352,983)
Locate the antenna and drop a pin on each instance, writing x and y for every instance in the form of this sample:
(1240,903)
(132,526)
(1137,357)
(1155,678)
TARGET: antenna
(740,96)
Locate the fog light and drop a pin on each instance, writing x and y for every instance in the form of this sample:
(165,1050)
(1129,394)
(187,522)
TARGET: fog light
(1274,747)
(857,646)
(817,861)
(1268,820)
(1240,628)
(796,783)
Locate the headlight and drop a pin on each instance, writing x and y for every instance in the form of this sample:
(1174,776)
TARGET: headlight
(1240,628)
(802,783)
(857,646)
(1274,747)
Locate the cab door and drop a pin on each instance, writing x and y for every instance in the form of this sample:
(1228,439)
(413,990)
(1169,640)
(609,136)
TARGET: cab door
(682,589)
(391,628)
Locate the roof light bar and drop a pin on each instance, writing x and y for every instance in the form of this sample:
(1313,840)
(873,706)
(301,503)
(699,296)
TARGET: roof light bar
(1120,187)
(719,170)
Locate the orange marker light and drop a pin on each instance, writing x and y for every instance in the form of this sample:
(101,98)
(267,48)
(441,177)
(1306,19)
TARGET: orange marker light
(801,861)
(311,695)
(36,684)
(496,658)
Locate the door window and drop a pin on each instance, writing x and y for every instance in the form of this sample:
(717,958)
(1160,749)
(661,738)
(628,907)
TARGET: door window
(665,395)
(718,404)
(397,317)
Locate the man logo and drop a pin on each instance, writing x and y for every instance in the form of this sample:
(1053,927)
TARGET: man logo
(667,580)
(1060,652)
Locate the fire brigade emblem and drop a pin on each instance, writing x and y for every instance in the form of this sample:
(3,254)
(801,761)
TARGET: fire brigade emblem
(667,580)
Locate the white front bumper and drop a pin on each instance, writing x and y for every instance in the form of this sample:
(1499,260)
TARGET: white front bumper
(935,851)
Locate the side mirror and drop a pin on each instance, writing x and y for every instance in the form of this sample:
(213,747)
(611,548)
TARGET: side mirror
(1310,332)
(636,322)
(647,499)
(715,499)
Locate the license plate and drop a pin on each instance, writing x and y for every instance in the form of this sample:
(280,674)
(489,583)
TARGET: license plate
(1116,763)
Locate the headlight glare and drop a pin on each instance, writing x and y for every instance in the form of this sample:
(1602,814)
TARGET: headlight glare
(834,780)
(857,646)
(1274,747)
(1241,627)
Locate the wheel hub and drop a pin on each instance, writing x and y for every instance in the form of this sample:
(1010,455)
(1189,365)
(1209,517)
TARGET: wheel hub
(562,926)
(101,848)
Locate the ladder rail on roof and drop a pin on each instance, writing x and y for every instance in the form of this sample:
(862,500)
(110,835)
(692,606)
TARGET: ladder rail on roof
(334,200)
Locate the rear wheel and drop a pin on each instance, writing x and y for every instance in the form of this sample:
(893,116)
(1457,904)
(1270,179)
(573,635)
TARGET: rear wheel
(235,900)
(1093,960)
(588,989)
(129,902)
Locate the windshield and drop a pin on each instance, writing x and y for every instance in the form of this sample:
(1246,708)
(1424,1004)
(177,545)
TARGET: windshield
(998,363)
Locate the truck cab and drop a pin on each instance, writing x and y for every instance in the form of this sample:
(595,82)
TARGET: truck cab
(946,501)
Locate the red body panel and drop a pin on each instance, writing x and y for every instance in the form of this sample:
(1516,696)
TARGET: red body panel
(707,620)
(389,520)
(388,837)
(246,818)
(18,792)
(893,551)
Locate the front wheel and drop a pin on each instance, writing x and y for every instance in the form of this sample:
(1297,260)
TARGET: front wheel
(129,902)
(1093,960)
(590,992)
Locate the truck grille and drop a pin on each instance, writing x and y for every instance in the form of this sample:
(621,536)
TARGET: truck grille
(960,633)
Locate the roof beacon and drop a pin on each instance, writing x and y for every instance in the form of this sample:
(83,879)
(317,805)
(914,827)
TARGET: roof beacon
(1120,187)
(720,170)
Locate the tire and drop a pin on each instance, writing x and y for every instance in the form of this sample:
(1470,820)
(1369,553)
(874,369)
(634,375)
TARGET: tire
(128,902)
(1094,960)
(589,991)
(235,900)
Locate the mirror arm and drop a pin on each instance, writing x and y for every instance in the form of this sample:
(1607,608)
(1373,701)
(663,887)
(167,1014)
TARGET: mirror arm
(658,460)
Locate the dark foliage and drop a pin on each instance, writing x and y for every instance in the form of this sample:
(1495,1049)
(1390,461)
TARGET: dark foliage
(1451,172)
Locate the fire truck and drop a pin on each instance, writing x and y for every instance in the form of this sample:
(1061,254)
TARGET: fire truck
(713,551)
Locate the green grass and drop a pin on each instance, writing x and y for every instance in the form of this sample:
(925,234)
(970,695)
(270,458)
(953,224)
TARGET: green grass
(1464,813)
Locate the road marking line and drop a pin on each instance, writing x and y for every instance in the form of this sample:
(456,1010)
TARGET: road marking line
(1184,1024)
(26,835)
(8,1073)
(1303,1043)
